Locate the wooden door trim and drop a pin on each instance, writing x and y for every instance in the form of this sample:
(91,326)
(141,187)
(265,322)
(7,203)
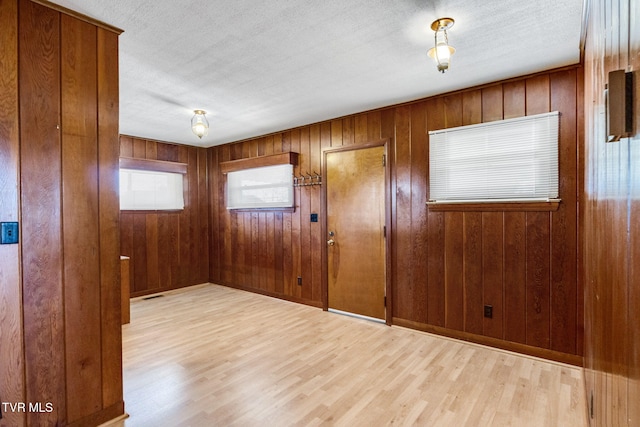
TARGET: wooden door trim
(387,222)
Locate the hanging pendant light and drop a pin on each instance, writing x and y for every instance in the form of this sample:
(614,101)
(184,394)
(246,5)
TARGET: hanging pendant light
(442,52)
(199,123)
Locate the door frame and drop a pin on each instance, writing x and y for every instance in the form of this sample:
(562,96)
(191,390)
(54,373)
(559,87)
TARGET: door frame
(387,221)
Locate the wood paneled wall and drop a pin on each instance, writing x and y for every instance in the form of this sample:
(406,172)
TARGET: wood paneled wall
(11,326)
(612,222)
(60,291)
(445,265)
(168,250)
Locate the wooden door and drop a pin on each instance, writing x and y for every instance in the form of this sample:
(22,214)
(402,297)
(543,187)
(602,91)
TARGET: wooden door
(356,253)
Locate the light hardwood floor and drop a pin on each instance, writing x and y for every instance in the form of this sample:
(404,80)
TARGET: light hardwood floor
(214,356)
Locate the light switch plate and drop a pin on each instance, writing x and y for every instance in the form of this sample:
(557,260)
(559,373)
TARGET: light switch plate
(8,233)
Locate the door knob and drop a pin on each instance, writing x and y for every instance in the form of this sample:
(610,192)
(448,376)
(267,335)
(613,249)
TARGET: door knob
(331,242)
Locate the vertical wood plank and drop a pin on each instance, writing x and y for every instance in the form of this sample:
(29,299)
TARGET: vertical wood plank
(43,309)
(270,249)
(319,138)
(224,236)
(164,251)
(255,251)
(278,258)
(360,132)
(513,99)
(473,291)
(406,298)
(139,255)
(418,209)
(336,133)
(515,277)
(81,239)
(374,119)
(633,332)
(296,233)
(325,143)
(203,210)
(194,235)
(151,245)
(564,222)
(514,270)
(537,310)
(151,150)
(305,211)
(471,107)
(492,267)
(454,267)
(348,131)
(247,271)
(11,334)
(214,215)
(435,234)
(126,146)
(139,149)
(492,234)
(538,234)
(166,152)
(108,153)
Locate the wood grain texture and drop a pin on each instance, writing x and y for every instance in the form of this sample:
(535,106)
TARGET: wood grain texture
(11,333)
(108,153)
(81,237)
(242,359)
(170,250)
(68,196)
(41,200)
(355,214)
(445,265)
(611,217)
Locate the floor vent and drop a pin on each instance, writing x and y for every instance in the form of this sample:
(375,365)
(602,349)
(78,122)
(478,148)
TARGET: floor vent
(153,297)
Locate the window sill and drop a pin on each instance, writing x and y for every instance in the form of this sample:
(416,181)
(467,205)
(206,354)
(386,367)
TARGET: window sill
(257,210)
(150,211)
(515,206)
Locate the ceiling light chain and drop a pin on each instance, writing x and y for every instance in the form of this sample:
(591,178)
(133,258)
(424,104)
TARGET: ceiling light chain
(442,52)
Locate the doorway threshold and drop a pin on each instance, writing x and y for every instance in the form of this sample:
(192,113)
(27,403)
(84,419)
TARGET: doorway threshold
(357,316)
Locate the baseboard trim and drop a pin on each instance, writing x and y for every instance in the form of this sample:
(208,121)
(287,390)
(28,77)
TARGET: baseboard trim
(542,353)
(107,414)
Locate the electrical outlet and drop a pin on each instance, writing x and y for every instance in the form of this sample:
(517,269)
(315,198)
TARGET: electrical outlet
(488,311)
(8,233)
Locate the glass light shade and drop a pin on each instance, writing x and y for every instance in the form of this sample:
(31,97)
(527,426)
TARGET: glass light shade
(442,52)
(199,124)
(442,55)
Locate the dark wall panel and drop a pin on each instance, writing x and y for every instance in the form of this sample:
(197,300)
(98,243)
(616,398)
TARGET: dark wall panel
(611,218)
(41,199)
(445,266)
(68,142)
(169,250)
(11,330)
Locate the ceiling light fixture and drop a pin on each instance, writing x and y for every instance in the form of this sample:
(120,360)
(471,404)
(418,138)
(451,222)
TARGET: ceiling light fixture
(199,123)
(442,52)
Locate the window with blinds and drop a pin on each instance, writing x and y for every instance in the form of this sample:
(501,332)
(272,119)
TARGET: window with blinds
(150,190)
(500,161)
(262,187)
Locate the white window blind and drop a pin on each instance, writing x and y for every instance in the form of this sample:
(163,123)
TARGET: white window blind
(505,160)
(263,187)
(150,190)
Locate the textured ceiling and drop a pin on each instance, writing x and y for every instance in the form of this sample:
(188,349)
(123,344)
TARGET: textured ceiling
(261,67)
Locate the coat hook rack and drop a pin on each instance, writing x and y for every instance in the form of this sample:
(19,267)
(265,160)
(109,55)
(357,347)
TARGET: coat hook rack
(307,180)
